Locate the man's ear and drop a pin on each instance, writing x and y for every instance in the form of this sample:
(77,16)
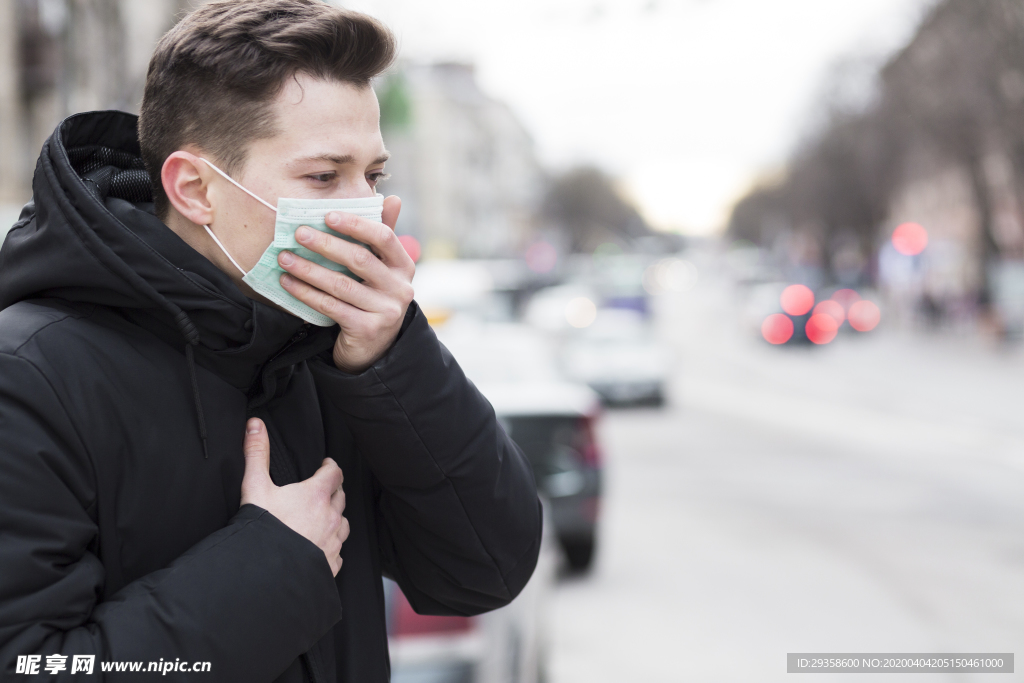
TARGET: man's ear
(184,178)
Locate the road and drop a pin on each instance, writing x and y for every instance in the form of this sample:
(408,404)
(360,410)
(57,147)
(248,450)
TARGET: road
(863,497)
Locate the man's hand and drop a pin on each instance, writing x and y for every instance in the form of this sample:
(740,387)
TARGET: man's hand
(370,312)
(311,508)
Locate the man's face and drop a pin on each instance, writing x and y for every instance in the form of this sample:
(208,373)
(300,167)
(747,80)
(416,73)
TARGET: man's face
(328,146)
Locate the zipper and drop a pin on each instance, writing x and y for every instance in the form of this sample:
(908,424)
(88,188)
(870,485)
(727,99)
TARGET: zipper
(296,338)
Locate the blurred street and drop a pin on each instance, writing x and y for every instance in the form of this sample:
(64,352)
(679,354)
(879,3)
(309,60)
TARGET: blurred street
(867,496)
(795,250)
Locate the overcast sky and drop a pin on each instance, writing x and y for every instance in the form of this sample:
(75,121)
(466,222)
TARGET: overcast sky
(686,102)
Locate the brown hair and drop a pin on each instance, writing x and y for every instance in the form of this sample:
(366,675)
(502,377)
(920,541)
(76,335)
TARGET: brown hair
(213,77)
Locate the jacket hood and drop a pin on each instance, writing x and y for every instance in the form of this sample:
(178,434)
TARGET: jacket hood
(90,235)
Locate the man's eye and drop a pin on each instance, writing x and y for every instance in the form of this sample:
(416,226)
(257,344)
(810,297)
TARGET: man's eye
(322,177)
(378,176)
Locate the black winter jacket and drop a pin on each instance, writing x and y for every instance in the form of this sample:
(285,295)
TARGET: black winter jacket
(128,367)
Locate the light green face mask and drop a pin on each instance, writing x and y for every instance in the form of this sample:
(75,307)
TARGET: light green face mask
(265,276)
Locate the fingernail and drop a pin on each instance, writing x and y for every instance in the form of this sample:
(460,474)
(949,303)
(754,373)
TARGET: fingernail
(286,258)
(253,427)
(334,217)
(286,280)
(303,234)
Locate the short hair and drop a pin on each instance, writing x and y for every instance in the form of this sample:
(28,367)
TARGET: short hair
(213,77)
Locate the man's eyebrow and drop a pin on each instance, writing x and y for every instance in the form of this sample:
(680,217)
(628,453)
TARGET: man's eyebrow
(333,158)
(340,160)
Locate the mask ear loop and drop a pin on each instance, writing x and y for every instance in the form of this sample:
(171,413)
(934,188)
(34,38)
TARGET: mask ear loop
(243,189)
(230,258)
(239,185)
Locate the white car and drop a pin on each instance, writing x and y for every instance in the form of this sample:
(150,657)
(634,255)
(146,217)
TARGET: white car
(619,357)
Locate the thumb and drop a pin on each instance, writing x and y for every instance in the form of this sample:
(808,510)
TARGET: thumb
(257,460)
(392,207)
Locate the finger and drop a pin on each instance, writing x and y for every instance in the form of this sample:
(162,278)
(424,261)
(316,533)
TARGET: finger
(329,476)
(338,500)
(392,207)
(360,260)
(334,308)
(336,284)
(380,237)
(332,547)
(256,449)
(377,275)
(344,531)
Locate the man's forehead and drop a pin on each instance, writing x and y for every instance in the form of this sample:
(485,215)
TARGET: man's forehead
(304,96)
(327,121)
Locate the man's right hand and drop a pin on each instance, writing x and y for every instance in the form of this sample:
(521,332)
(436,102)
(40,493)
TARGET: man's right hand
(311,508)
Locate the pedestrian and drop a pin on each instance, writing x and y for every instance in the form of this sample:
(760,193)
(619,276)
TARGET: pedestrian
(219,429)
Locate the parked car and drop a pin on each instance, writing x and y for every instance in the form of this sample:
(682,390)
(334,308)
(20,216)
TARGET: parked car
(553,420)
(554,425)
(619,357)
(550,309)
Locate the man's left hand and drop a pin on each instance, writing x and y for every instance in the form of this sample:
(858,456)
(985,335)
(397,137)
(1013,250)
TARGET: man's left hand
(370,312)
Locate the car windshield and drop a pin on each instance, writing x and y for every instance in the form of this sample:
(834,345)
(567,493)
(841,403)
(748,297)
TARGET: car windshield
(546,440)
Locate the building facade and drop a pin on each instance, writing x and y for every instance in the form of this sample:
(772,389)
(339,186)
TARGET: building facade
(461,161)
(58,57)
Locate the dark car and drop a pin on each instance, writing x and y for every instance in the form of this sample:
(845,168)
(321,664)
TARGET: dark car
(563,451)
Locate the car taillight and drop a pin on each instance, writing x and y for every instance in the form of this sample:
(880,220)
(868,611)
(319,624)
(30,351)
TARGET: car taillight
(406,622)
(586,440)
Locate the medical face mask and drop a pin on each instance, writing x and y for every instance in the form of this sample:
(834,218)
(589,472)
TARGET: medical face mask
(265,276)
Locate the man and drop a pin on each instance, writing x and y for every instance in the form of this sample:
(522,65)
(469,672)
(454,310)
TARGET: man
(189,472)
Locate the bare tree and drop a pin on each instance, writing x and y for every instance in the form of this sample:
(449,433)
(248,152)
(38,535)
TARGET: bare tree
(586,206)
(956,90)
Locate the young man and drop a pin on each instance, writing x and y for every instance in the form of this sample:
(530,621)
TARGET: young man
(174,438)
